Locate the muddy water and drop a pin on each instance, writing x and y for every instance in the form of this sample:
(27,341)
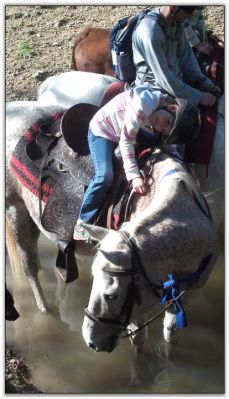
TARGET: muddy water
(61,362)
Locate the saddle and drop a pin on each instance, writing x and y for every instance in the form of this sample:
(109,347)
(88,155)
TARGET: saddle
(52,160)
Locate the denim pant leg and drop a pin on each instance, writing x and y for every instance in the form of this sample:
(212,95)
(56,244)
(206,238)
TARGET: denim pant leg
(102,151)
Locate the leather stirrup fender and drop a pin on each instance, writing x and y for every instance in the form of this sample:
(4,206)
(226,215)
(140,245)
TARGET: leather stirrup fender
(66,264)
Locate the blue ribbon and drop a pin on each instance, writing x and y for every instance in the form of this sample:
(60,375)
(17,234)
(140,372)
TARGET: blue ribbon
(170,291)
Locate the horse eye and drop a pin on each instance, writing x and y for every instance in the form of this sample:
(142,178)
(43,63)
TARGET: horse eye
(110,297)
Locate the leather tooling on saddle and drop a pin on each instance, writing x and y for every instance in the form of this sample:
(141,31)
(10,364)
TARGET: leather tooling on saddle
(57,175)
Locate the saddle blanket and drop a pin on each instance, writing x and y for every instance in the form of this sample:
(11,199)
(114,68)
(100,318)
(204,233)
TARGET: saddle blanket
(25,170)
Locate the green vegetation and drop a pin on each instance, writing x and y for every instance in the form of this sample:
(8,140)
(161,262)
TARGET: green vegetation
(26,50)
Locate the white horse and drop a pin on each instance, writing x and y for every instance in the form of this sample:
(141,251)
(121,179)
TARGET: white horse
(71,88)
(169,240)
(22,206)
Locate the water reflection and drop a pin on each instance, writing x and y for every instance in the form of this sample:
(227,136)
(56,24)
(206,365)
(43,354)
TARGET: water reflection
(61,362)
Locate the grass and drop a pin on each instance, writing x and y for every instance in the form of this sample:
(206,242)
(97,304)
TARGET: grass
(26,50)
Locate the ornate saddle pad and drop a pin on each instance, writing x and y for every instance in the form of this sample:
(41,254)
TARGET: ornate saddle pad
(55,173)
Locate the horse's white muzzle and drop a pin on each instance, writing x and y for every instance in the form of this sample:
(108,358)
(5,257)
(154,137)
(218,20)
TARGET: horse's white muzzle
(98,337)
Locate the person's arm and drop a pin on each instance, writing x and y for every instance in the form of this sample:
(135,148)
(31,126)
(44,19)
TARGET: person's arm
(192,35)
(151,42)
(141,104)
(189,64)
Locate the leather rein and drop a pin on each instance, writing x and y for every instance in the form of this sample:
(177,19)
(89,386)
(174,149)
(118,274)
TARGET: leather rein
(133,292)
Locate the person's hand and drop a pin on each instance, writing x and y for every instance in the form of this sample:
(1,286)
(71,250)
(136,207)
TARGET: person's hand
(207,99)
(139,185)
(216,91)
(205,48)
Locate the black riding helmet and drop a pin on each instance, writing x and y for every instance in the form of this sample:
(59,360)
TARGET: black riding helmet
(187,123)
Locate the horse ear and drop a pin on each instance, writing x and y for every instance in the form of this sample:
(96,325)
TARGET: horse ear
(113,257)
(97,233)
(117,258)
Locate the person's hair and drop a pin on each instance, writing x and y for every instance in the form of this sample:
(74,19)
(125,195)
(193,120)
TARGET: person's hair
(188,9)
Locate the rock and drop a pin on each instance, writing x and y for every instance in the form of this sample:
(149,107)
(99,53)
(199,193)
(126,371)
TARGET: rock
(61,22)
(41,75)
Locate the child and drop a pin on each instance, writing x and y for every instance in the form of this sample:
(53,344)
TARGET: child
(118,122)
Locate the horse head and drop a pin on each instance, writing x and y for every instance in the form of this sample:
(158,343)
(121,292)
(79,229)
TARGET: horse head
(108,311)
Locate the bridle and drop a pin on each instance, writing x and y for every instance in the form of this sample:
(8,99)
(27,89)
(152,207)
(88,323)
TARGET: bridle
(133,293)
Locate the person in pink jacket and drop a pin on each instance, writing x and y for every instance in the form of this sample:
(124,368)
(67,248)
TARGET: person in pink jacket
(118,123)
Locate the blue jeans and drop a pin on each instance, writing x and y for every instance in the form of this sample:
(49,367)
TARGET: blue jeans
(102,151)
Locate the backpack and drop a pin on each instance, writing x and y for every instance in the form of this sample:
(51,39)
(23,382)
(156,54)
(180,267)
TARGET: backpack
(121,44)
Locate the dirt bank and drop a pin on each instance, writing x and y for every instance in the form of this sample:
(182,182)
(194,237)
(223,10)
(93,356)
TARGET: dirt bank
(39,40)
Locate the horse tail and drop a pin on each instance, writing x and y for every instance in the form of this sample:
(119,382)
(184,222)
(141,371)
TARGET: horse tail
(12,249)
(80,36)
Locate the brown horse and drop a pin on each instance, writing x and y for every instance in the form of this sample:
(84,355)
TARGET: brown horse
(91,51)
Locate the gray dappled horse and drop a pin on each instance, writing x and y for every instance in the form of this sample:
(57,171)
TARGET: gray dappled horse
(169,245)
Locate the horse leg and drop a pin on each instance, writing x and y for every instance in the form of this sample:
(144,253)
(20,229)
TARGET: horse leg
(21,239)
(169,326)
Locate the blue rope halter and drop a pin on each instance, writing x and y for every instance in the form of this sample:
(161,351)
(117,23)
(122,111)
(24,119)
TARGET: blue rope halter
(171,289)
